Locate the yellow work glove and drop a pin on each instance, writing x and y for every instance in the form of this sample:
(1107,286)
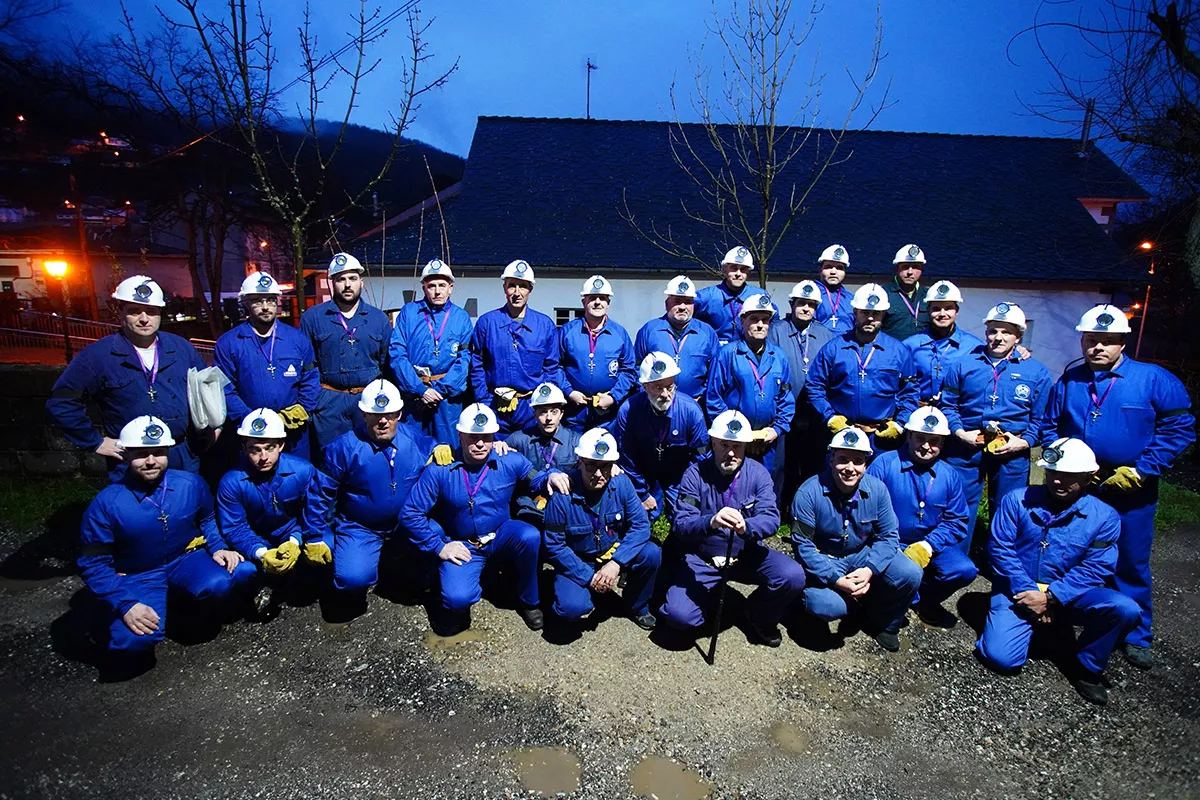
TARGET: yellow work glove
(837,422)
(508,399)
(279,560)
(998,441)
(294,416)
(195,544)
(1043,587)
(891,430)
(318,553)
(442,456)
(596,398)
(539,503)
(1124,479)
(920,553)
(759,435)
(608,555)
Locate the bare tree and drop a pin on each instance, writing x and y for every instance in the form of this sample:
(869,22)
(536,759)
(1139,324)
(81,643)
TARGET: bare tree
(758,150)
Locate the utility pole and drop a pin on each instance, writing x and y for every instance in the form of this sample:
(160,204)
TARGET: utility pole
(91,305)
(588,104)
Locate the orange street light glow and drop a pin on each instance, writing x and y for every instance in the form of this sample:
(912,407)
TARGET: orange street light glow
(56,268)
(1146,245)
(263,243)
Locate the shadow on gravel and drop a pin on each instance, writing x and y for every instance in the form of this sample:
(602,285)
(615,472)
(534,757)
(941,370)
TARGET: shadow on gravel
(52,554)
(973,609)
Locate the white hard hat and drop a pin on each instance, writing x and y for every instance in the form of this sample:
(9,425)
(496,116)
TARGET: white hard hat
(1068,455)
(597,445)
(146,432)
(806,290)
(656,366)
(597,284)
(870,297)
(262,423)
(943,292)
(1006,312)
(851,439)
(344,262)
(739,255)
(909,254)
(835,252)
(928,419)
(259,283)
(680,286)
(380,397)
(547,394)
(732,426)
(140,289)
(520,270)
(477,418)
(437,269)
(1103,319)
(759,302)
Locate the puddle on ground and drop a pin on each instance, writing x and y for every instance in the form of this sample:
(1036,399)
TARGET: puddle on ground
(790,738)
(664,779)
(870,723)
(334,627)
(546,770)
(445,644)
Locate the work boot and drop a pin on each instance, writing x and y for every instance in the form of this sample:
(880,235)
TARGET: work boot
(770,636)
(534,619)
(1090,686)
(446,623)
(645,621)
(888,640)
(935,615)
(265,607)
(1139,657)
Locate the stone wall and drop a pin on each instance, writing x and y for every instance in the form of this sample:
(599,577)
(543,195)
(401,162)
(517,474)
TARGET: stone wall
(30,443)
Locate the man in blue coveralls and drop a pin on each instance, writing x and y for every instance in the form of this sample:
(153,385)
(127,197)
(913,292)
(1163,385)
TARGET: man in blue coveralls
(834,312)
(259,502)
(727,507)
(927,497)
(269,365)
(1054,550)
(996,406)
(692,343)
(864,377)
(513,349)
(350,340)
(597,532)
(152,530)
(720,306)
(138,371)
(752,375)
(595,357)
(1137,418)
(461,514)
(430,355)
(906,315)
(547,444)
(847,537)
(942,342)
(661,433)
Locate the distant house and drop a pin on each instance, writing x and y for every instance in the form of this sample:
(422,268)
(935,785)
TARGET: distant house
(1021,219)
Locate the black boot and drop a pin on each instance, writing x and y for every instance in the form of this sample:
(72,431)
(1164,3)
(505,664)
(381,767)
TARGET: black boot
(534,619)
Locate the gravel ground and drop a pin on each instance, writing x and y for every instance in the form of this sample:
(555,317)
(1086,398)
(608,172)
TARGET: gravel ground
(381,708)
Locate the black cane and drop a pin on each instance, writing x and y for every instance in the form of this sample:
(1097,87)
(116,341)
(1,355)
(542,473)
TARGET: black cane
(712,643)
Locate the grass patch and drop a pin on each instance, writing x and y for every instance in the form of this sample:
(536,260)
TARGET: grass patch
(27,504)
(1176,507)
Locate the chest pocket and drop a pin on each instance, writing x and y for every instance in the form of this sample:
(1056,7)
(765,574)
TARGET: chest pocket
(1137,421)
(532,356)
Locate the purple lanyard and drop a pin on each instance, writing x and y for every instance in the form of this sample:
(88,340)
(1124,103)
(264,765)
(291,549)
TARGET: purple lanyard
(162,511)
(678,344)
(152,373)
(1098,400)
(349,331)
(862,365)
(848,512)
(437,338)
(594,517)
(473,490)
(726,497)
(805,337)
(390,452)
(996,371)
(548,457)
(270,355)
(759,379)
(592,337)
(914,311)
(833,307)
(921,496)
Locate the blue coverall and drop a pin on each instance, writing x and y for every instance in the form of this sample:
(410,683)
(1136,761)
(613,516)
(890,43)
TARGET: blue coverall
(133,550)
(581,528)
(1144,421)
(887,392)
(430,349)
(609,368)
(834,535)
(802,451)
(1075,552)
(514,353)
(109,373)
(930,507)
(348,358)
(898,321)
(556,451)
(932,358)
(721,308)
(702,493)
(766,398)
(694,348)
(257,512)
(656,449)
(834,311)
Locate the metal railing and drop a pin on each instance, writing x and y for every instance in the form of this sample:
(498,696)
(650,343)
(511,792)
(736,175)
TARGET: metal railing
(14,337)
(42,322)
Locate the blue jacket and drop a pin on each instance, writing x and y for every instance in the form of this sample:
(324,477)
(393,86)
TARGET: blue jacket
(888,392)
(898,321)
(1145,419)
(412,345)
(109,373)
(932,358)
(610,369)
(1022,391)
(343,365)
(517,353)
(835,535)
(722,309)
(704,491)
(1073,551)
(732,384)
(656,449)
(799,348)
(579,530)
(122,531)
(834,311)
(942,520)
(694,349)
(243,356)
(259,512)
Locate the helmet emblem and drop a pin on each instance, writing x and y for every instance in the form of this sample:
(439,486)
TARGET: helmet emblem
(143,291)
(1051,455)
(154,432)
(807,290)
(258,425)
(340,259)
(872,301)
(264,281)
(943,289)
(840,252)
(601,448)
(914,251)
(435,266)
(930,422)
(850,438)
(684,286)
(598,284)
(659,367)
(381,400)
(521,268)
(480,420)
(735,426)
(1003,308)
(742,253)
(544,390)
(1104,320)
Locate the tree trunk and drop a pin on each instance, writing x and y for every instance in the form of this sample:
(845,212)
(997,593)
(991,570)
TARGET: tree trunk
(298,268)
(187,215)
(216,267)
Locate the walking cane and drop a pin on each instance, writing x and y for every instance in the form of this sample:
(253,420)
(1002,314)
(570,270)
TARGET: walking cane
(724,583)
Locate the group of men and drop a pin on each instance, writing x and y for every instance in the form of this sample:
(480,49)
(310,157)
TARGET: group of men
(868,421)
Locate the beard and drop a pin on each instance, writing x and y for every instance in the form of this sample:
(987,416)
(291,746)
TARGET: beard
(661,404)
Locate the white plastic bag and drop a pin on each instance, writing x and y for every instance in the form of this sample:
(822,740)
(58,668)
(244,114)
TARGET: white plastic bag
(206,397)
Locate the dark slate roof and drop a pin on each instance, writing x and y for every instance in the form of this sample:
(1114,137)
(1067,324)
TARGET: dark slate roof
(982,207)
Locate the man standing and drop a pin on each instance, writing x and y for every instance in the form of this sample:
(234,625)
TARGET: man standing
(846,536)
(834,312)
(721,306)
(927,498)
(942,343)
(596,359)
(692,343)
(269,365)
(138,371)
(513,349)
(1054,549)
(1137,418)
(350,339)
(597,532)
(547,444)
(430,355)
(726,508)
(906,315)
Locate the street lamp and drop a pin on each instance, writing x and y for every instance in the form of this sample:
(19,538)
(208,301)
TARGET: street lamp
(58,271)
(1146,246)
